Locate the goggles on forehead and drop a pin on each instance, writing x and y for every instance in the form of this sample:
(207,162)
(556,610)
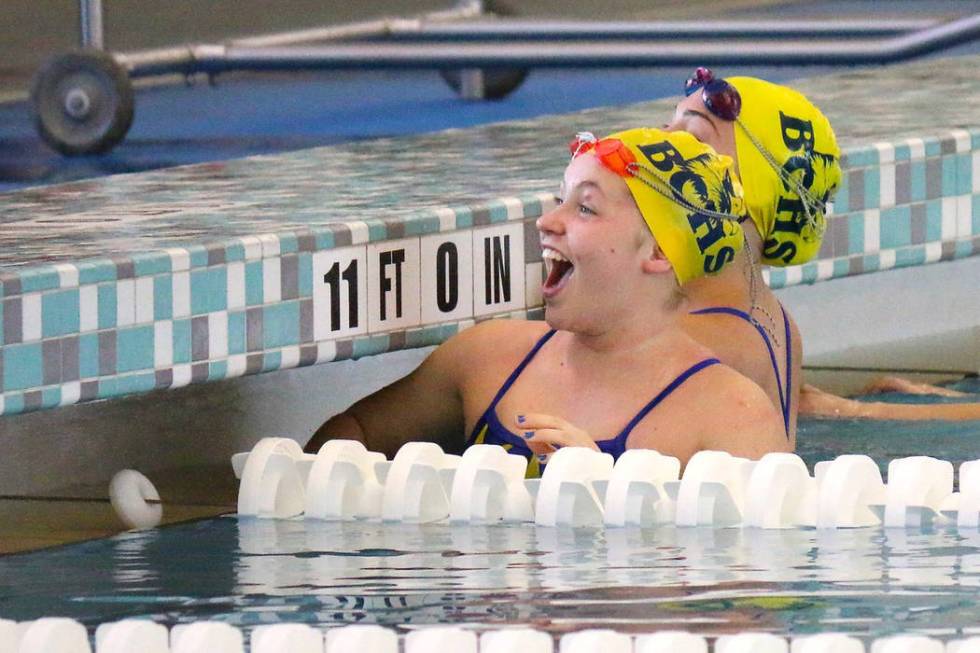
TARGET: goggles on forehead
(723,100)
(616,157)
(720,97)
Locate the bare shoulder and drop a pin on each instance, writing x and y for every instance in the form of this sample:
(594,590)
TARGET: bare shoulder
(737,415)
(733,340)
(488,341)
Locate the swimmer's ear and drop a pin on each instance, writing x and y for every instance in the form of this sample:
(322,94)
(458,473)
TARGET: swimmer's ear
(657,263)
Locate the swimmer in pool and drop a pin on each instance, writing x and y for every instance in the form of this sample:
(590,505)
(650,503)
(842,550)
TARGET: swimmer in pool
(786,155)
(610,368)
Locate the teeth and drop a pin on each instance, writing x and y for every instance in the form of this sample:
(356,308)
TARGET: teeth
(552,254)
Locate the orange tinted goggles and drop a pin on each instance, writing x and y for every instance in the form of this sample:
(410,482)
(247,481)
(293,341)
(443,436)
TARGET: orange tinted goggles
(611,152)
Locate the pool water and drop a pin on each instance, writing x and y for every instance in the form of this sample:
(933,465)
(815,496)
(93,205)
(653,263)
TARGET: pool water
(867,582)
(884,440)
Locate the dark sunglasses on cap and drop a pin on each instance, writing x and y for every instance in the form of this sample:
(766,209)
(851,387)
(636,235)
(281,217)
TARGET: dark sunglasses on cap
(720,97)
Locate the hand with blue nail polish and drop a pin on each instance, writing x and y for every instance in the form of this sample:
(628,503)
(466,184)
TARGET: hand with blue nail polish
(545,434)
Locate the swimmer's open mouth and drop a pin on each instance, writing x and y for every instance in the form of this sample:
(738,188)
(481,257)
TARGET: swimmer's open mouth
(559,269)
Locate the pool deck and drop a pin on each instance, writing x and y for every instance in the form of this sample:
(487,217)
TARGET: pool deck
(388,182)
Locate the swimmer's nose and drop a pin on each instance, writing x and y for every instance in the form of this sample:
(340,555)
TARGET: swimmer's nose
(551,222)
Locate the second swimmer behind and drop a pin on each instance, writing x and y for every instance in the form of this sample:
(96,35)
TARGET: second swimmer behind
(642,213)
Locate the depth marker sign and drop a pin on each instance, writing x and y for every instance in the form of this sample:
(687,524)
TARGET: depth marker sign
(399,284)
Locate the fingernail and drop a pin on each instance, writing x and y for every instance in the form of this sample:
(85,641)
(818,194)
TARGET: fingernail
(520,419)
(528,435)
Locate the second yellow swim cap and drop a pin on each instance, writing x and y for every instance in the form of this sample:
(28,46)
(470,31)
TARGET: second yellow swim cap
(785,145)
(687,194)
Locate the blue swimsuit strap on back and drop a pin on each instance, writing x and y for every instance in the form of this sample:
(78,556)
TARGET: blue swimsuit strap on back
(784,394)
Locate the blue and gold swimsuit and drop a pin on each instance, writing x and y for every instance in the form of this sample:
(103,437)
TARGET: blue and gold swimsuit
(490,430)
(784,386)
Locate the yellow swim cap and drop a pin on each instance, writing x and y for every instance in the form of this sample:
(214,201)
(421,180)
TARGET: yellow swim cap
(687,194)
(789,164)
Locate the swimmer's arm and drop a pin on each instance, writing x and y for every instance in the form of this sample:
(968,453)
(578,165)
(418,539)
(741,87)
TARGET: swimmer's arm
(742,419)
(425,405)
(817,403)
(907,386)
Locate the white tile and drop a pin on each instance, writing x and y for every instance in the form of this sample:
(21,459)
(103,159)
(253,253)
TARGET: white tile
(125,302)
(289,357)
(964,216)
(498,269)
(934,252)
(163,344)
(964,143)
(886,176)
(88,308)
(144,300)
(393,285)
(917,148)
(464,325)
(872,231)
(447,219)
(236,285)
(532,282)
(180,259)
(360,233)
(975,168)
(30,307)
(270,245)
(182,294)
(71,392)
(236,366)
(825,269)
(271,280)
(515,208)
(346,269)
(67,275)
(949,224)
(181,375)
(252,247)
(2,402)
(886,153)
(765,276)
(886,259)
(217,335)
(326,351)
(446,277)
(794,275)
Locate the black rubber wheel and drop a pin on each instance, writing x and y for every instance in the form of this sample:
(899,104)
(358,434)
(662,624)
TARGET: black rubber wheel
(83,102)
(498,83)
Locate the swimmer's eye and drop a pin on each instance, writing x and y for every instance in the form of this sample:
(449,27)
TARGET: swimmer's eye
(582,208)
(558,200)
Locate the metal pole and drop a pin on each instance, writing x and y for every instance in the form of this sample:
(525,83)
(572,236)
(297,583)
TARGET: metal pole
(90,14)
(566,30)
(593,54)
(368,29)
